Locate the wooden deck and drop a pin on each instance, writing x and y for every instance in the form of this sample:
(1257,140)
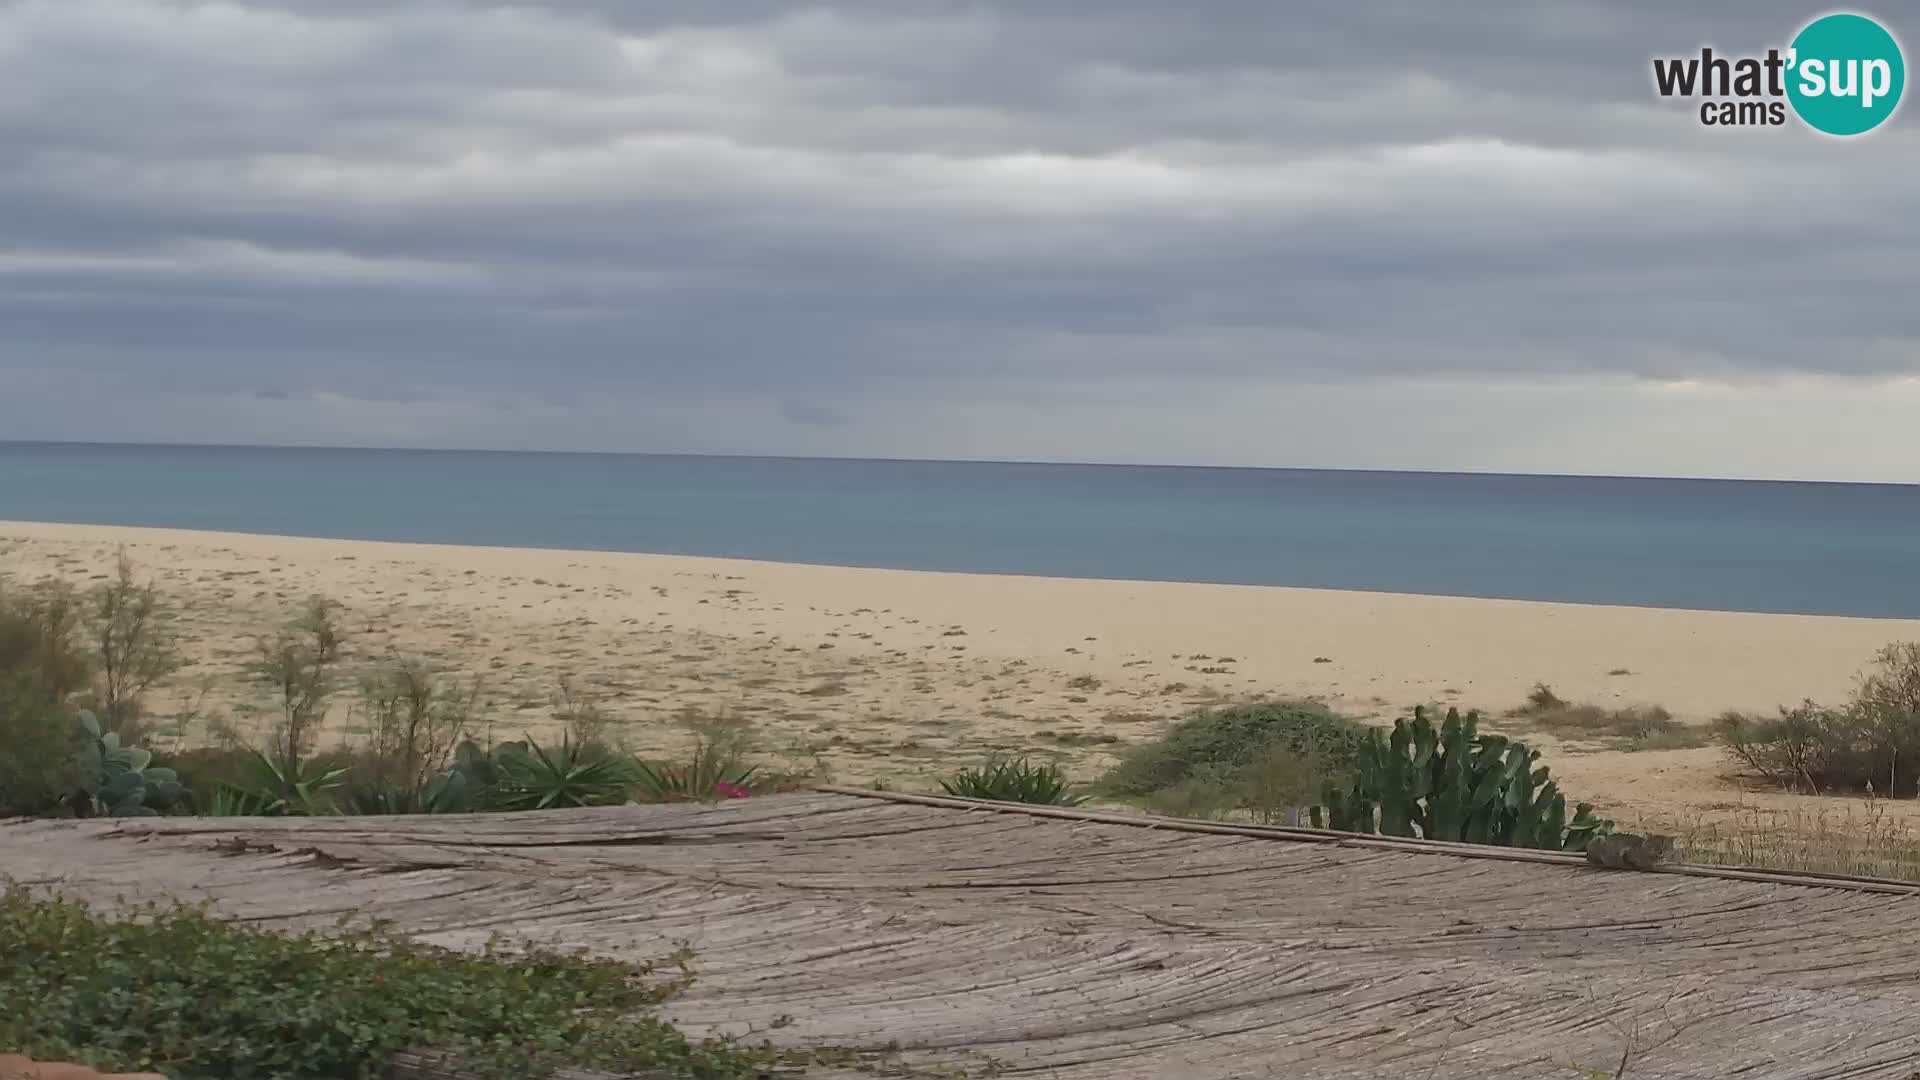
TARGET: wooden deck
(1076,949)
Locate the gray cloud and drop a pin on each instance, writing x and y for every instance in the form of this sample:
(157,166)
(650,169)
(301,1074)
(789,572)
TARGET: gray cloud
(381,221)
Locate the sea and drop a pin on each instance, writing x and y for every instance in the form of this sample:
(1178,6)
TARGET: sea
(1734,545)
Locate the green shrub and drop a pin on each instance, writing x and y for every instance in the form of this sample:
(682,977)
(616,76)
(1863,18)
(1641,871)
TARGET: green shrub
(1270,759)
(1285,781)
(1208,792)
(43,750)
(180,992)
(1013,780)
(205,769)
(41,641)
(415,719)
(57,758)
(1790,749)
(1872,743)
(299,666)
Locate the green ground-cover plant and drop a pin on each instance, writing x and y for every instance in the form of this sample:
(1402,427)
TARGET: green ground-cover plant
(1013,780)
(178,991)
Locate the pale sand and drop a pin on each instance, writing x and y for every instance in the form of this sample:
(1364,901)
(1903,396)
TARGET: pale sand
(901,675)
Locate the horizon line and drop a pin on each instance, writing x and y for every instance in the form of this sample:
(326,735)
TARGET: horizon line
(184,445)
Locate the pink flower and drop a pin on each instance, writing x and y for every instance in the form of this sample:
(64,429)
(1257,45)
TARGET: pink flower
(731,791)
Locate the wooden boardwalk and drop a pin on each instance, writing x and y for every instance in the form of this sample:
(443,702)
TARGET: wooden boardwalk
(1055,947)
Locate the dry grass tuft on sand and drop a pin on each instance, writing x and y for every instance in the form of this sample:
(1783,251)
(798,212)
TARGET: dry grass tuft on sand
(1628,728)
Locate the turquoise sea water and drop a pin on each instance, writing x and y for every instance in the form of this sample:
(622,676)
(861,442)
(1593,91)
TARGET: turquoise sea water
(1845,549)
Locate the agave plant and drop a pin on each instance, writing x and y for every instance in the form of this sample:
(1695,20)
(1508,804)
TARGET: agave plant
(711,773)
(447,792)
(531,777)
(287,785)
(223,800)
(1013,780)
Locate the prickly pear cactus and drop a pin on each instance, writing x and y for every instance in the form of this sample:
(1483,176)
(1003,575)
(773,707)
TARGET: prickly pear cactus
(127,782)
(1452,783)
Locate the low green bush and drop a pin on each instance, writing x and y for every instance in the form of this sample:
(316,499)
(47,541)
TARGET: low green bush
(42,642)
(206,769)
(1871,743)
(1270,759)
(42,750)
(178,991)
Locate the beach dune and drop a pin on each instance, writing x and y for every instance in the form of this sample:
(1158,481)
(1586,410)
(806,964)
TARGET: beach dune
(903,674)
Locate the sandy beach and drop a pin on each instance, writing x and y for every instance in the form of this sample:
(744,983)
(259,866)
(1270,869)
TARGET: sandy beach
(898,676)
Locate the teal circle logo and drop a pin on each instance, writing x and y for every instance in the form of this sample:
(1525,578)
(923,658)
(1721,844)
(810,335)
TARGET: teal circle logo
(1845,74)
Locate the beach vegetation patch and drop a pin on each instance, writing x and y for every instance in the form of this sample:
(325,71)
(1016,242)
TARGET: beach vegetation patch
(177,991)
(63,653)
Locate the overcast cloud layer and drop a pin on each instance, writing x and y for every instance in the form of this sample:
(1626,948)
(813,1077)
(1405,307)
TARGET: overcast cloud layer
(1386,233)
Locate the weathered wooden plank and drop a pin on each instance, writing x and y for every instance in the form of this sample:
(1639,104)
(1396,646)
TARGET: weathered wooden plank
(1088,947)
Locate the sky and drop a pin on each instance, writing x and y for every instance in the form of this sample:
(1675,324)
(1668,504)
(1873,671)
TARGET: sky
(1374,234)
